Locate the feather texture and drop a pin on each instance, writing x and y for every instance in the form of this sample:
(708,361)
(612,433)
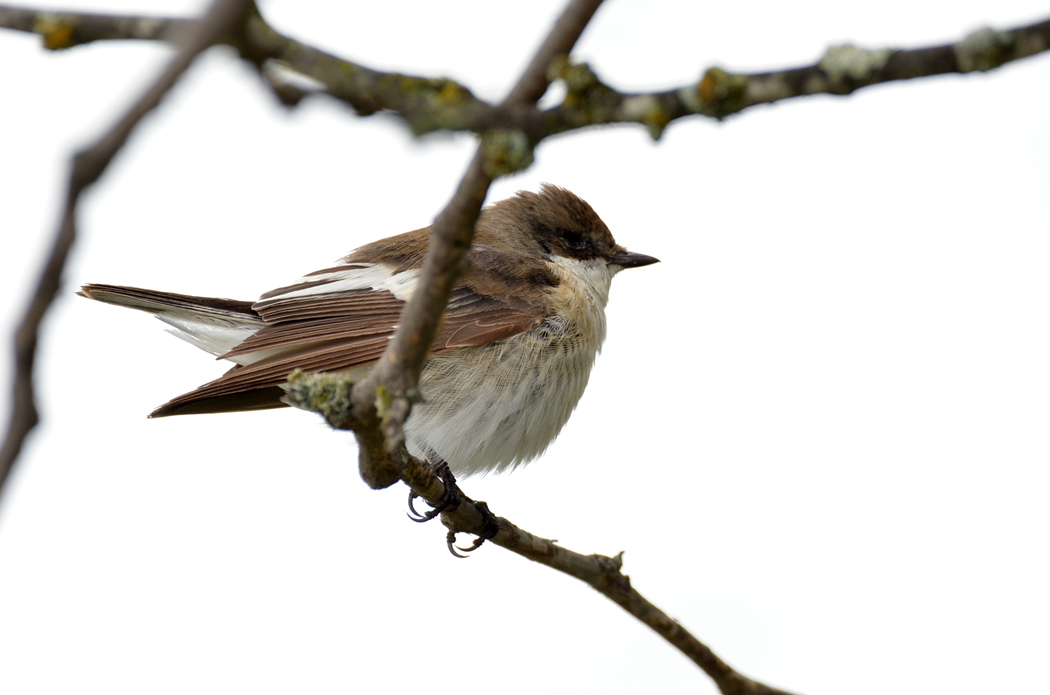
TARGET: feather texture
(511,360)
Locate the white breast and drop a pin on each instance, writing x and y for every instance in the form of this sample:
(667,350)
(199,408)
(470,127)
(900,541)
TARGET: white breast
(494,407)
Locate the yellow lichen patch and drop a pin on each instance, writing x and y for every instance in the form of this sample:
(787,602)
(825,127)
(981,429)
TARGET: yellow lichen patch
(58,32)
(708,88)
(718,93)
(656,119)
(452,93)
(384,399)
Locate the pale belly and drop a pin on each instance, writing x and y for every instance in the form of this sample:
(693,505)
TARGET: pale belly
(497,406)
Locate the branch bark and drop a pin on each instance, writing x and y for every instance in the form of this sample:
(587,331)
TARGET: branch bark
(326,394)
(429,104)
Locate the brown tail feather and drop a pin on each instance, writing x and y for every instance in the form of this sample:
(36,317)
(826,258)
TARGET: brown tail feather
(257,399)
(154,301)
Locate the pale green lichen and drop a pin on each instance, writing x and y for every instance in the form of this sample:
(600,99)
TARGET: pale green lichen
(505,151)
(983,50)
(857,64)
(584,91)
(690,97)
(577,76)
(327,394)
(384,399)
(589,101)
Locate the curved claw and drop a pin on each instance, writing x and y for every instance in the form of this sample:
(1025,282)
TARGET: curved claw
(478,542)
(452,546)
(490,527)
(414,515)
(450,541)
(449,502)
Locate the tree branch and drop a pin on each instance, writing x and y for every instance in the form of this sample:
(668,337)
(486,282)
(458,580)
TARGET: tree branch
(327,394)
(67,29)
(192,38)
(429,104)
(385,397)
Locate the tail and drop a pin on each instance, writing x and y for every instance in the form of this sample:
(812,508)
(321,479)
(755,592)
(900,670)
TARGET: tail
(166,302)
(212,324)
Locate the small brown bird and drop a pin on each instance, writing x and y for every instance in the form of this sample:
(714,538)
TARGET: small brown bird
(521,333)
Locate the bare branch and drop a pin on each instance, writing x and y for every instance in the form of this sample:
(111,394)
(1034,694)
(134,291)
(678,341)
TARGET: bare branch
(67,29)
(220,20)
(327,394)
(429,104)
(845,69)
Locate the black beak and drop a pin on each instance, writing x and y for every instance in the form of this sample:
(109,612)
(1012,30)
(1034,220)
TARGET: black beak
(631,260)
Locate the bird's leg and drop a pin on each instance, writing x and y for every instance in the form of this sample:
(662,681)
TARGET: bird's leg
(449,501)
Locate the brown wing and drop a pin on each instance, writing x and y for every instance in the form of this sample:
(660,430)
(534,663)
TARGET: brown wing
(340,332)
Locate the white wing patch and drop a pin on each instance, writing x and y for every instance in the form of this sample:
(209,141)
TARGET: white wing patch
(359,276)
(213,334)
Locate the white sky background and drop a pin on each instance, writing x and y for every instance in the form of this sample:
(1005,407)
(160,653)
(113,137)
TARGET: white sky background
(818,428)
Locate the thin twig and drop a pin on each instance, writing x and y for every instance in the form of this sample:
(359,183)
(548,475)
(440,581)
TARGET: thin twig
(220,20)
(601,572)
(67,29)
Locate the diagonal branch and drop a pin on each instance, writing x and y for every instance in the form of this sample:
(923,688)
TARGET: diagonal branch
(88,165)
(326,394)
(384,398)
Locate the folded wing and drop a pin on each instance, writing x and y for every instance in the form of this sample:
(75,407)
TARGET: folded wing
(339,319)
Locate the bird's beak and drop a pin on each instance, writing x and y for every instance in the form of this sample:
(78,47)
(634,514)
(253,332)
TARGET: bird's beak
(631,260)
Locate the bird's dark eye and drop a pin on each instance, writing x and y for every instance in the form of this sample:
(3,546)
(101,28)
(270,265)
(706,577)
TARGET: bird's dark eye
(574,241)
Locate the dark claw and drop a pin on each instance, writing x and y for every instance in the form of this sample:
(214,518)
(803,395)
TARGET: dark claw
(489,529)
(412,513)
(448,502)
(450,540)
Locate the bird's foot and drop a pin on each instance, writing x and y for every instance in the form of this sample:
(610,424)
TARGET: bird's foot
(449,501)
(489,529)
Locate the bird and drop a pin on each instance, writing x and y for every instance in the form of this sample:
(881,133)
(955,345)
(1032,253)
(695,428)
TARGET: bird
(524,325)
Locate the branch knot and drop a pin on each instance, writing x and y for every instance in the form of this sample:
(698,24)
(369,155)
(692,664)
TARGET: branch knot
(718,94)
(505,151)
(983,50)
